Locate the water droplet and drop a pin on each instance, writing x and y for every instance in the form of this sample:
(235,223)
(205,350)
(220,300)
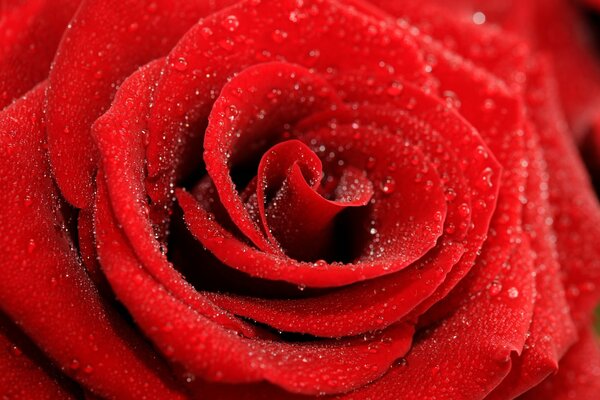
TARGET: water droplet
(138,278)
(206,32)
(181,64)
(230,23)
(395,89)
(513,293)
(27,201)
(388,185)
(464,210)
(88,369)
(232,112)
(401,362)
(320,263)
(371,161)
(452,99)
(486,177)
(169,351)
(478,18)
(226,44)
(279,36)
(15,351)
(31,246)
(74,365)
(489,104)
(495,288)
(312,58)
(152,7)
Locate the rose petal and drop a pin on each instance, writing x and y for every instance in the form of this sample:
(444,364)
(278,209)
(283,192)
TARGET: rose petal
(236,122)
(579,373)
(45,288)
(120,135)
(107,40)
(293,212)
(211,351)
(574,206)
(216,49)
(314,316)
(29,35)
(448,360)
(22,372)
(552,330)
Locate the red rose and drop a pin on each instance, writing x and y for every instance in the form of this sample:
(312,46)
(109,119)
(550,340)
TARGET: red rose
(293,199)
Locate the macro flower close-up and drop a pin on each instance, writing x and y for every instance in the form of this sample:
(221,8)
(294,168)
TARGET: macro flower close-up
(299,199)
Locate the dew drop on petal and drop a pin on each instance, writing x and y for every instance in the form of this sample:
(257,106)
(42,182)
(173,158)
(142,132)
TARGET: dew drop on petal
(74,365)
(395,89)
(152,7)
(279,36)
(486,177)
(226,44)
(464,210)
(31,246)
(478,18)
(181,64)
(206,32)
(230,23)
(388,185)
(15,351)
(495,288)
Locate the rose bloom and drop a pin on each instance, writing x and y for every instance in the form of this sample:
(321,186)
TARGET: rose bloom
(297,199)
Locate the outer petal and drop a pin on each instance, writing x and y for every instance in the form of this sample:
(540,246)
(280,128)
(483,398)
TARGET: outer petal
(574,206)
(106,42)
(579,373)
(29,35)
(42,285)
(467,355)
(21,373)
(552,330)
